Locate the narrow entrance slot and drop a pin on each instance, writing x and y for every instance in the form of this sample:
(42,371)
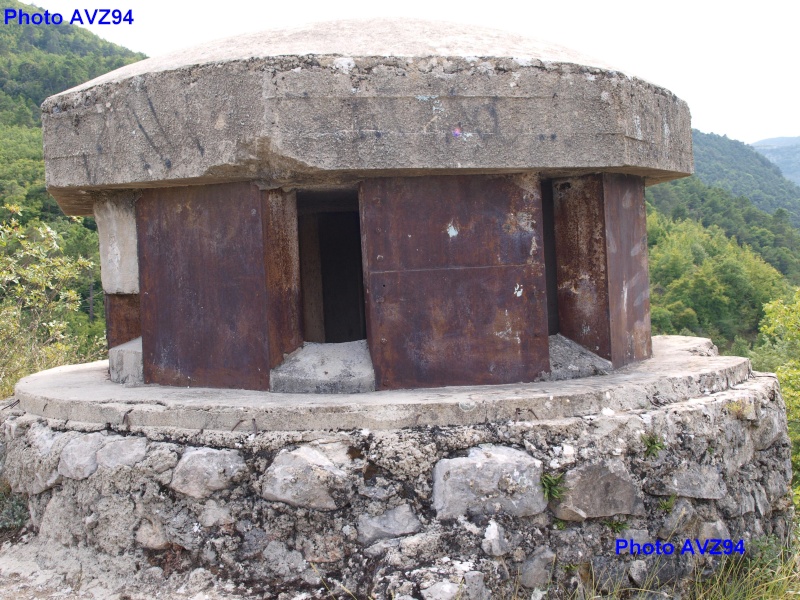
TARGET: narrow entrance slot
(331,277)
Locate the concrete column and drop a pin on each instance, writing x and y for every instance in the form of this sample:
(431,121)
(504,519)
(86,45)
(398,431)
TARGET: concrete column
(115,215)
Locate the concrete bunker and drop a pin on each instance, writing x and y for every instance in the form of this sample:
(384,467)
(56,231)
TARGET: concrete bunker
(498,184)
(452,211)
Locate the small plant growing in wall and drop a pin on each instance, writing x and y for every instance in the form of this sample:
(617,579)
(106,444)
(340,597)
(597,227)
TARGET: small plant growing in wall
(653,444)
(667,504)
(553,486)
(616,525)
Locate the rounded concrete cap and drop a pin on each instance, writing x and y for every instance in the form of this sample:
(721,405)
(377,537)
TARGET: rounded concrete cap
(332,103)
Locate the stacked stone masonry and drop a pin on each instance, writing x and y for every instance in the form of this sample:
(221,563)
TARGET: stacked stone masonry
(418,512)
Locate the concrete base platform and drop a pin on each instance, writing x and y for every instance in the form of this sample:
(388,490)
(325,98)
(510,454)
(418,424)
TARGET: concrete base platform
(681,367)
(276,495)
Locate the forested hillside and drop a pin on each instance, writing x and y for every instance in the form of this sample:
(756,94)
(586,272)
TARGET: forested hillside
(784,152)
(739,169)
(51,302)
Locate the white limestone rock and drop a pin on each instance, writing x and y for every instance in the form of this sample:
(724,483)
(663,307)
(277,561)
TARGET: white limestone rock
(490,479)
(202,471)
(304,477)
(122,451)
(393,523)
(79,456)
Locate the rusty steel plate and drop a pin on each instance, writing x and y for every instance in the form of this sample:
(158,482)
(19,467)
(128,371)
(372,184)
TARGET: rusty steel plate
(580,242)
(454,272)
(203,285)
(628,280)
(122,318)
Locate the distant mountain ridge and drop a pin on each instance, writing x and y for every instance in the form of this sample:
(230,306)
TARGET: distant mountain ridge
(740,169)
(784,152)
(777,142)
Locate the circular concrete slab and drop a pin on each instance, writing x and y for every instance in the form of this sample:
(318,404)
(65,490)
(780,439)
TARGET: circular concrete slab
(333,103)
(682,368)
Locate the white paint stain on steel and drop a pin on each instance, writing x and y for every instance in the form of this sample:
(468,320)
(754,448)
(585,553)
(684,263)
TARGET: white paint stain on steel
(508,333)
(451,230)
(518,290)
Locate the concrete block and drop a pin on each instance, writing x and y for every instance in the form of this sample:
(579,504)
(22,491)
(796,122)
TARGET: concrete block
(125,363)
(325,369)
(115,215)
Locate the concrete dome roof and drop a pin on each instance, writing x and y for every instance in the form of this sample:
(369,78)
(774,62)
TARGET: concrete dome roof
(407,38)
(334,103)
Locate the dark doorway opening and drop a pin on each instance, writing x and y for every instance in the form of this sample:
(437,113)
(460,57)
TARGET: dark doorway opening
(331,275)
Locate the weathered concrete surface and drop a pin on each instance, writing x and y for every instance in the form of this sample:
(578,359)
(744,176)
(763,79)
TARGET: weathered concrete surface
(340,101)
(682,367)
(125,363)
(325,369)
(116,227)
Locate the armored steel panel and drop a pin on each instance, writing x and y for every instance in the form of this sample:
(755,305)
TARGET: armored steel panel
(601,264)
(282,265)
(581,273)
(628,280)
(204,274)
(455,280)
(122,318)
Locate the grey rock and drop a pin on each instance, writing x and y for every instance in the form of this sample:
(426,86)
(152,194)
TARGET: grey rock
(122,451)
(775,486)
(490,479)
(537,570)
(393,523)
(638,536)
(286,563)
(693,481)
(474,586)
(38,470)
(214,515)
(151,535)
(601,489)
(610,575)
(681,520)
(715,530)
(638,572)
(79,456)
(494,540)
(771,429)
(202,471)
(444,590)
(304,477)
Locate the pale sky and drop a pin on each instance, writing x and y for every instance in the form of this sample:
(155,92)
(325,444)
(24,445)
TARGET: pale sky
(736,67)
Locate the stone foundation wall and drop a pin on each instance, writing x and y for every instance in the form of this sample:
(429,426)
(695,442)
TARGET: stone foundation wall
(429,512)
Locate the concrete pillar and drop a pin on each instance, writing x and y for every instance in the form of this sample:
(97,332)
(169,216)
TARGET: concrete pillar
(115,215)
